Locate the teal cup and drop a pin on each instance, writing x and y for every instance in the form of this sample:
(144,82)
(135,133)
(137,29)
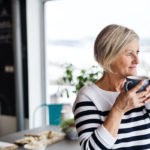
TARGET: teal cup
(132,81)
(55,113)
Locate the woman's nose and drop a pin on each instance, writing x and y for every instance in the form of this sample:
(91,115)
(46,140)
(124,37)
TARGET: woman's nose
(136,59)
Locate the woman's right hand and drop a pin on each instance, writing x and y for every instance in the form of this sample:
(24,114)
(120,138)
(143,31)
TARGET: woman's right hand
(131,99)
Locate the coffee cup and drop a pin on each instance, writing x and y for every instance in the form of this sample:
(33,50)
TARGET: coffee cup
(132,81)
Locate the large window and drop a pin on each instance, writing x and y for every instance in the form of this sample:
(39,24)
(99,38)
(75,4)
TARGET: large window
(71,27)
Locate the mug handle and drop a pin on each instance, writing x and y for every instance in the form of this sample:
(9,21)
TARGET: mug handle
(127,84)
(34,112)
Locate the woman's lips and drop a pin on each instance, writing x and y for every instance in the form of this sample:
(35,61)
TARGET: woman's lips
(134,67)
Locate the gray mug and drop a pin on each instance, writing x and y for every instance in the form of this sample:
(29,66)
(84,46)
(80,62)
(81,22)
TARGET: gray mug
(132,81)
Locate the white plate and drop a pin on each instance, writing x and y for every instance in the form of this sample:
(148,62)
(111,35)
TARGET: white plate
(35,146)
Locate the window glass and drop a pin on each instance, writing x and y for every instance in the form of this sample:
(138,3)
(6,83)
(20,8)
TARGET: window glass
(71,27)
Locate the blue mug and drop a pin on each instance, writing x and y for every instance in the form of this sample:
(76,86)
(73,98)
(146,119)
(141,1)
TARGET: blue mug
(54,113)
(132,81)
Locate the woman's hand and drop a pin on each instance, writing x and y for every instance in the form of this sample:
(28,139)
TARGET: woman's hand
(125,102)
(131,99)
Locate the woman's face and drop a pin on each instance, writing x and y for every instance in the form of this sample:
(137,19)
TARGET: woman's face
(125,64)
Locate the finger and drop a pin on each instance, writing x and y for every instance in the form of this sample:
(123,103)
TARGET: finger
(142,104)
(147,88)
(144,101)
(144,93)
(145,97)
(137,87)
(148,95)
(147,100)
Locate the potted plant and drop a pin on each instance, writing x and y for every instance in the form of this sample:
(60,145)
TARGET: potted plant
(68,126)
(76,78)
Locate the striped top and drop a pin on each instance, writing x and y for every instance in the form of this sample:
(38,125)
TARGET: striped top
(90,110)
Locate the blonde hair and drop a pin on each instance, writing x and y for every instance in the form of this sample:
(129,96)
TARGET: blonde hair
(110,42)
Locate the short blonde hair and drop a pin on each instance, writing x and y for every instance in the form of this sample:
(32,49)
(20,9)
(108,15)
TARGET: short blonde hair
(110,42)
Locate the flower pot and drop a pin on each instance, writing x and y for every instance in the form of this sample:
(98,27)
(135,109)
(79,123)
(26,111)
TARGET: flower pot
(71,132)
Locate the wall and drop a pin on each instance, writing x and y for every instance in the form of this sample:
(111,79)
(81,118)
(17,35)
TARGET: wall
(33,71)
(7,86)
(8,124)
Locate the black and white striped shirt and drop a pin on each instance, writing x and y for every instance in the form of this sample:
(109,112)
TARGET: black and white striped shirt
(91,108)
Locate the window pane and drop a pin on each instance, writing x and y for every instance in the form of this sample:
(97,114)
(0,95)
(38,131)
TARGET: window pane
(72,25)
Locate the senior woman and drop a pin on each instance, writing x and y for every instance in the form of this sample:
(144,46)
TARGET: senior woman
(106,116)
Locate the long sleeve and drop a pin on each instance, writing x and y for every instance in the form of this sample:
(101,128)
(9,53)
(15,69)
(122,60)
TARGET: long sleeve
(89,123)
(91,109)
(147,106)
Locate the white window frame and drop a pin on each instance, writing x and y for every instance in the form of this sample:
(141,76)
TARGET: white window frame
(36,64)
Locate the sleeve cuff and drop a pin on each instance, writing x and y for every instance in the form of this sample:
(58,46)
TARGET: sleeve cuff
(147,106)
(105,137)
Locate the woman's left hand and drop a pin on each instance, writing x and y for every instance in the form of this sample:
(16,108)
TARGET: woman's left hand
(131,99)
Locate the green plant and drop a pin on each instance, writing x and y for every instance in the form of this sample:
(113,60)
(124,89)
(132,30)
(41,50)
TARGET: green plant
(68,126)
(67,123)
(77,78)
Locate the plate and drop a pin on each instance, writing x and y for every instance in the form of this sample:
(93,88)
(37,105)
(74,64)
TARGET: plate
(35,146)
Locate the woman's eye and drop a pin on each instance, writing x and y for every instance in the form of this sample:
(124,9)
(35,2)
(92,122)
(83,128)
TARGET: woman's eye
(129,54)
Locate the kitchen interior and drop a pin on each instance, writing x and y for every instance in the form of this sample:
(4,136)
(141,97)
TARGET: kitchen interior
(24,98)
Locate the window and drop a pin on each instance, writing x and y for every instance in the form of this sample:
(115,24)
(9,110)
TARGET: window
(71,27)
